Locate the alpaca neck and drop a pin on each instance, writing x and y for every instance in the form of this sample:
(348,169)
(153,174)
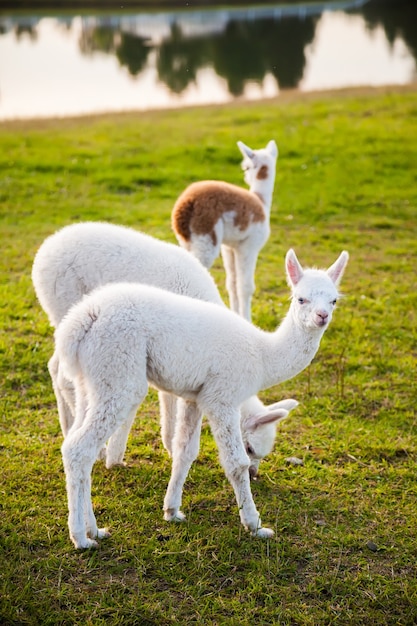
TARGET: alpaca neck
(289,350)
(264,190)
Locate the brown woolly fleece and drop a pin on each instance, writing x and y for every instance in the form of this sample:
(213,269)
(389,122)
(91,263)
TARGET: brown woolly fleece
(202,204)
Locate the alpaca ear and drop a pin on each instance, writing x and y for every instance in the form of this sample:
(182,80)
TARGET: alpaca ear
(272,148)
(288,404)
(293,268)
(336,270)
(266,417)
(245,150)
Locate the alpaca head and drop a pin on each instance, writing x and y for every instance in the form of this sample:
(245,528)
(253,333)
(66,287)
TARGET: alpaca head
(314,292)
(259,426)
(259,165)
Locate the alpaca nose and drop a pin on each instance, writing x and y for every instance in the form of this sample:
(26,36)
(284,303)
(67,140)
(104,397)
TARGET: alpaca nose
(323,316)
(253,471)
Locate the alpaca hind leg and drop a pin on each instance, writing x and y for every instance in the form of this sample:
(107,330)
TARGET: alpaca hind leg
(92,531)
(91,429)
(168,411)
(235,461)
(207,247)
(245,259)
(116,446)
(228,255)
(79,452)
(64,393)
(184,451)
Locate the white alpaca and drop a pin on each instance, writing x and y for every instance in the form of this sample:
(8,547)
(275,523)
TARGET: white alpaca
(122,337)
(212,216)
(81,257)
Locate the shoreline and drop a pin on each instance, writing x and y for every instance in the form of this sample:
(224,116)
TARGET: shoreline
(287,96)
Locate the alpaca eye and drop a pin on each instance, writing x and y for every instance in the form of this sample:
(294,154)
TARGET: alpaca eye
(334,302)
(301,300)
(249,449)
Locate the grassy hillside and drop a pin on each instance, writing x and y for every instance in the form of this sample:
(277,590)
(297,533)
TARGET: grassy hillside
(345,521)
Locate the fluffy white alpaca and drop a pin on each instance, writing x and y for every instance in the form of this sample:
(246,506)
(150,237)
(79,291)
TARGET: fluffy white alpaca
(123,337)
(79,258)
(212,216)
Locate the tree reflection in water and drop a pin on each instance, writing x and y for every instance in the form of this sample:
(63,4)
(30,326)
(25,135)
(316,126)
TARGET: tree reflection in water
(180,58)
(246,50)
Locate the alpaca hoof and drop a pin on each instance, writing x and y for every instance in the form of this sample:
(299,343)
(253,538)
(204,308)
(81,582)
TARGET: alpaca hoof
(174,515)
(85,544)
(111,464)
(264,533)
(103,533)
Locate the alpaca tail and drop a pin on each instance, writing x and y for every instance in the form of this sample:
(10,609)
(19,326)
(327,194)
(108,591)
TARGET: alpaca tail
(182,214)
(71,333)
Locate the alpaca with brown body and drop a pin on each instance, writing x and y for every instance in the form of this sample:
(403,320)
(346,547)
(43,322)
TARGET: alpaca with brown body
(212,217)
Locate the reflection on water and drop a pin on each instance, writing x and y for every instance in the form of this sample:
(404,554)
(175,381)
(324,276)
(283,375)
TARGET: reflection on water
(62,65)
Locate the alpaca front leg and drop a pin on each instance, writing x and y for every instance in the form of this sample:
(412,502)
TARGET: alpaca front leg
(185,450)
(236,463)
(228,255)
(249,516)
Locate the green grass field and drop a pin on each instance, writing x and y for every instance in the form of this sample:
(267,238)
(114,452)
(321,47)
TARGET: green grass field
(345,546)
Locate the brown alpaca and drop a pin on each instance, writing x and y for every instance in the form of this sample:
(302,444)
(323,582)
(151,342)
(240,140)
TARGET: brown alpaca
(212,216)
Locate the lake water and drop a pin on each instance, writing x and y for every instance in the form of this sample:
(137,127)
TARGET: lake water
(61,64)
